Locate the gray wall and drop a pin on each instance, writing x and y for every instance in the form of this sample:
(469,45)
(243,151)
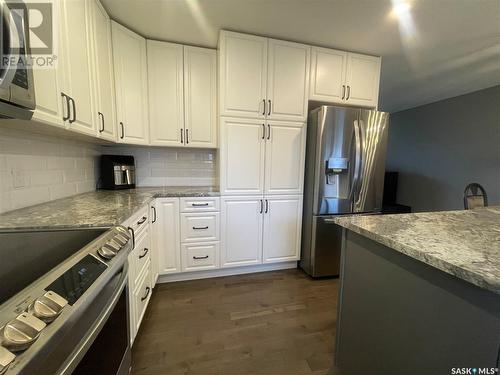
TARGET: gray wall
(441,147)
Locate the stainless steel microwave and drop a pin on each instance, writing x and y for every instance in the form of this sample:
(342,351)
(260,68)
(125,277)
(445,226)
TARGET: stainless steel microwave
(17,94)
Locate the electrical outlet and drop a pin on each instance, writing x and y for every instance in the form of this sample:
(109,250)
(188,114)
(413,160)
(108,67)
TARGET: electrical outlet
(20,179)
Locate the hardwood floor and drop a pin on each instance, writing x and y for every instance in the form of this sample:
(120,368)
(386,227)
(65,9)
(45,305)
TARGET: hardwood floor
(275,323)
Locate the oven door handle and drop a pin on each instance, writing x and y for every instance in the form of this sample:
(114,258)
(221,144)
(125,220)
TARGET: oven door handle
(80,351)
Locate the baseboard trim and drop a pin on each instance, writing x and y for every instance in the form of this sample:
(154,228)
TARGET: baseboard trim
(195,275)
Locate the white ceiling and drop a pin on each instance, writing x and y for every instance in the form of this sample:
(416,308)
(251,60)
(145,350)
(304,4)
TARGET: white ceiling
(453,47)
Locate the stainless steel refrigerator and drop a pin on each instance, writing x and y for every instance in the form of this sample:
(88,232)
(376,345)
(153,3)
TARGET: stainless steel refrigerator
(345,165)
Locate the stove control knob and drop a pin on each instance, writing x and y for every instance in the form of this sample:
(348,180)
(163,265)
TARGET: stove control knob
(123,232)
(48,307)
(21,332)
(106,252)
(116,247)
(6,358)
(122,241)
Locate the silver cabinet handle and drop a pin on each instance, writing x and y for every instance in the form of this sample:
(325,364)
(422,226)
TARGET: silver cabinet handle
(123,130)
(144,218)
(199,204)
(205,257)
(200,228)
(348,92)
(144,253)
(148,289)
(264,105)
(73,105)
(269,109)
(154,211)
(343,92)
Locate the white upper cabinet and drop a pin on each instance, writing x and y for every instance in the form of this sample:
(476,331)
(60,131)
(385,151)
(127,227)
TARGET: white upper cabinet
(285,155)
(362,79)
(288,80)
(104,111)
(200,97)
(344,77)
(76,50)
(241,231)
(242,75)
(165,84)
(262,78)
(282,228)
(242,151)
(130,67)
(327,75)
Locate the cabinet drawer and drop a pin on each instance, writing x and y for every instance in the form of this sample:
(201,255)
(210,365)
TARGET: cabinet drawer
(200,204)
(200,256)
(141,254)
(200,227)
(139,220)
(142,294)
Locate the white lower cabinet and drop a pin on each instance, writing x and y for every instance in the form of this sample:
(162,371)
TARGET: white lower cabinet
(167,235)
(200,256)
(282,228)
(140,299)
(241,233)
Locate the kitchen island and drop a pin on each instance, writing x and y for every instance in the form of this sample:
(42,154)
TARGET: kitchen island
(420,293)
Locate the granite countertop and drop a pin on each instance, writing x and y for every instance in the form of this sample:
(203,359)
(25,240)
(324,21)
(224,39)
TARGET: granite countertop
(465,244)
(103,208)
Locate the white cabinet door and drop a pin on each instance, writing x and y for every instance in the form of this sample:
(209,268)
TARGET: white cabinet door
(104,113)
(242,149)
(285,155)
(328,69)
(282,228)
(167,235)
(155,233)
(76,52)
(288,80)
(130,67)
(241,231)
(242,74)
(165,77)
(362,80)
(200,97)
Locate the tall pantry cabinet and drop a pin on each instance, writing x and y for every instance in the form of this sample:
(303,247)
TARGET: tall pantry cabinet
(263,88)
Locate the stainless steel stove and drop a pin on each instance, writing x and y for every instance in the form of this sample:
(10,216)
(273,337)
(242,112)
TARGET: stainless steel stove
(64,302)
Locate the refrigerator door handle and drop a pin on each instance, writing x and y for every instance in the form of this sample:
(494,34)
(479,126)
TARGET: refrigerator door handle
(357,158)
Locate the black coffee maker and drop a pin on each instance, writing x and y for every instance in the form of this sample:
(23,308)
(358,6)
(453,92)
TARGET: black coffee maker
(117,172)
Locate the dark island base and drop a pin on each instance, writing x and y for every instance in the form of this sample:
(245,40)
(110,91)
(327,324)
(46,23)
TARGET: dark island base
(399,316)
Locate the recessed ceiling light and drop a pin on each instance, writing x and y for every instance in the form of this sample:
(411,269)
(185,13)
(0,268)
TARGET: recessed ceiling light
(400,8)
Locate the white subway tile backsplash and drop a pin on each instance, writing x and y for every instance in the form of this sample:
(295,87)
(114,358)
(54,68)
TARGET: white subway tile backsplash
(39,168)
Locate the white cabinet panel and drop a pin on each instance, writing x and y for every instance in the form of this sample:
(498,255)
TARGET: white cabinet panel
(167,235)
(282,228)
(200,204)
(328,68)
(243,74)
(76,52)
(242,156)
(104,111)
(200,256)
(140,298)
(130,67)
(285,156)
(241,231)
(50,105)
(200,97)
(288,80)
(363,75)
(165,77)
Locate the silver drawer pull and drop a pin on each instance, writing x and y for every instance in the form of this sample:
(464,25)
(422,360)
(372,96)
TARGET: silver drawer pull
(144,253)
(205,257)
(148,289)
(199,204)
(200,228)
(144,218)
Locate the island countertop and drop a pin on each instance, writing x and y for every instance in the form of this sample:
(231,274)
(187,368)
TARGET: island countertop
(103,208)
(465,244)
